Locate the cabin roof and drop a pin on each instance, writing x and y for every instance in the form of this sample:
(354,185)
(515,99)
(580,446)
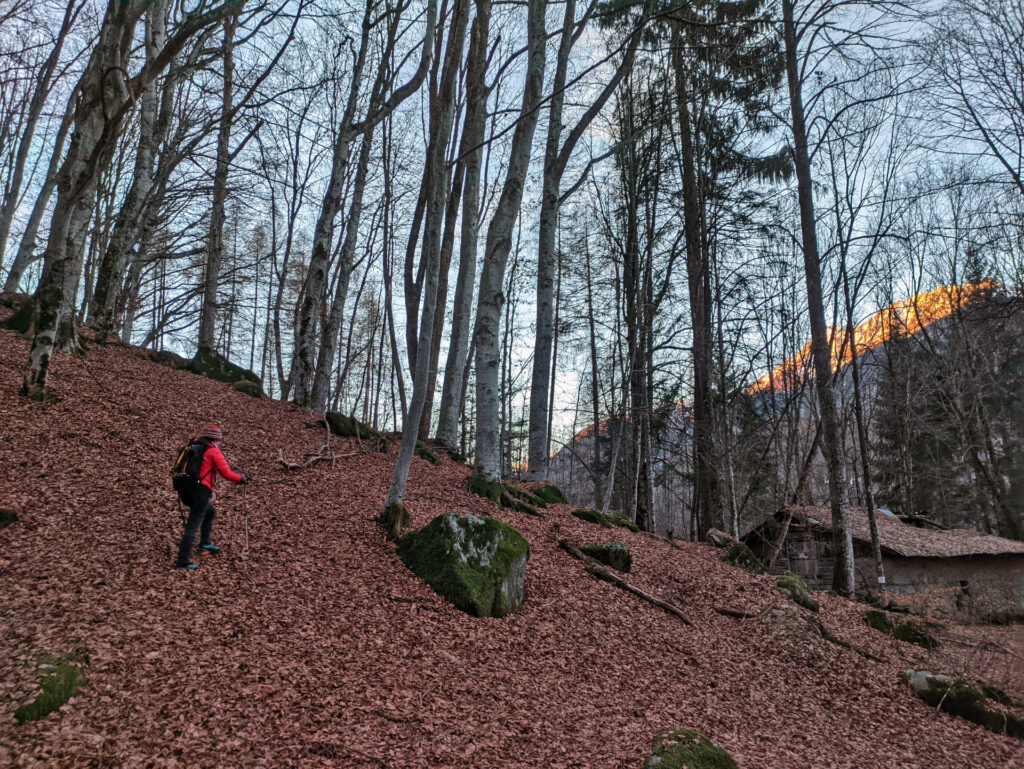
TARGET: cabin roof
(899,538)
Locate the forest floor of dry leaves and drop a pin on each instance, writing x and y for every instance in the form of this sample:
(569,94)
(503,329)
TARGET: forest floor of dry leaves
(322,649)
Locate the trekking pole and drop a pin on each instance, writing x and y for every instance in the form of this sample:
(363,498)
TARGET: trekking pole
(245,513)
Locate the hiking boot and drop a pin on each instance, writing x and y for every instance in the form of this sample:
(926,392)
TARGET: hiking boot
(211,549)
(187,566)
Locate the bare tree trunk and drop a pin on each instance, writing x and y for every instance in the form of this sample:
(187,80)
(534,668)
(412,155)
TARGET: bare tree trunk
(843,572)
(499,242)
(44,82)
(27,255)
(314,286)
(556,158)
(705,503)
(472,142)
(134,210)
(215,242)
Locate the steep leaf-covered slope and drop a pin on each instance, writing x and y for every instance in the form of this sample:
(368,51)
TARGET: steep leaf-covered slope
(322,649)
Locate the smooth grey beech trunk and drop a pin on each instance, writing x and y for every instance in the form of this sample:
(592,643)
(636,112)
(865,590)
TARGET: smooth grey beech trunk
(44,82)
(556,159)
(441,121)
(215,238)
(496,251)
(153,124)
(472,143)
(843,572)
(313,289)
(103,104)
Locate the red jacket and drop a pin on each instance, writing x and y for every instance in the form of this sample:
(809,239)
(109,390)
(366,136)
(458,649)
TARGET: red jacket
(213,463)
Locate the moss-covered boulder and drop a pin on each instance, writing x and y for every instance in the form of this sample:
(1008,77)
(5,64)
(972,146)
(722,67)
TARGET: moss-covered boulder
(21,319)
(622,521)
(170,359)
(477,563)
(7,517)
(249,388)
(970,700)
(505,495)
(614,554)
(348,427)
(796,590)
(908,630)
(719,538)
(687,749)
(592,515)
(423,451)
(518,492)
(743,557)
(551,494)
(60,678)
(213,365)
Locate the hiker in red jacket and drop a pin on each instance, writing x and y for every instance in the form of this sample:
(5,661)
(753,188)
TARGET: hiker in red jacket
(200,512)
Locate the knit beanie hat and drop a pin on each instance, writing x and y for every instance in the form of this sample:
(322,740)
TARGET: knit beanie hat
(212,433)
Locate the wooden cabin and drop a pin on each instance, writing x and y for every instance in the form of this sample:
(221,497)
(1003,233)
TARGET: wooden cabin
(956,574)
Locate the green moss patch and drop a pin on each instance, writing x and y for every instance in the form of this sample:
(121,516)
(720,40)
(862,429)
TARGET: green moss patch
(347,427)
(605,520)
(518,492)
(622,521)
(687,749)
(551,494)
(21,319)
(60,678)
(505,495)
(249,388)
(969,700)
(7,517)
(423,451)
(170,359)
(213,365)
(743,557)
(909,630)
(477,563)
(796,590)
(615,555)
(592,515)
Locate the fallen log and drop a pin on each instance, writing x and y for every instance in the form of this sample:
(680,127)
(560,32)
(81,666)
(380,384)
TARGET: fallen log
(596,569)
(734,613)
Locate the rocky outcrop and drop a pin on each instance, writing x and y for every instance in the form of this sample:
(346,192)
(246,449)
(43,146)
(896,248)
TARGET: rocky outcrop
(971,700)
(477,563)
(615,554)
(743,557)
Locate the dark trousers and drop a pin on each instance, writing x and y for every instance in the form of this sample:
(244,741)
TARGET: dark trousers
(200,518)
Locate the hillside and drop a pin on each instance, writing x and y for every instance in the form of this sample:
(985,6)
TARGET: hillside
(322,649)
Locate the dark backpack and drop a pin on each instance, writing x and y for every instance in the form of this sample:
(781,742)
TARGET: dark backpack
(185,475)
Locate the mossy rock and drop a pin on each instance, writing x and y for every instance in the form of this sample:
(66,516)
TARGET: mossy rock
(7,517)
(909,630)
(249,388)
(170,359)
(518,492)
(348,427)
(969,700)
(592,515)
(477,563)
(423,451)
(719,538)
(60,678)
(491,490)
(687,749)
(743,557)
(622,521)
(551,494)
(213,365)
(796,590)
(616,555)
(21,319)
